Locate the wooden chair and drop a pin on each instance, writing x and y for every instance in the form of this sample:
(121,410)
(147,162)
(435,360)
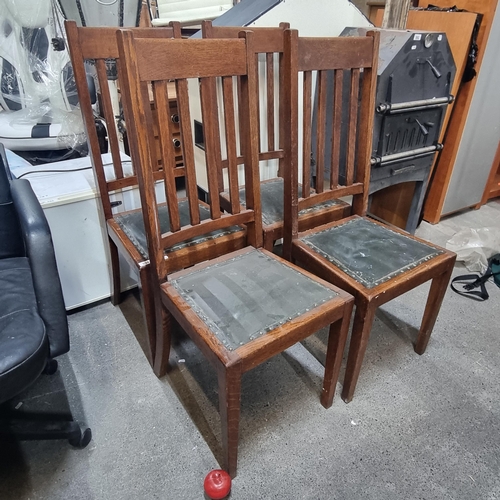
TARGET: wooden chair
(247,306)
(268,44)
(372,261)
(126,233)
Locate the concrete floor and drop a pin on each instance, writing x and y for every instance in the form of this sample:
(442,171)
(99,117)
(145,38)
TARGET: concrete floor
(419,427)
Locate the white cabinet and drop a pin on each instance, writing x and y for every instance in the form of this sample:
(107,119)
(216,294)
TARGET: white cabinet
(72,208)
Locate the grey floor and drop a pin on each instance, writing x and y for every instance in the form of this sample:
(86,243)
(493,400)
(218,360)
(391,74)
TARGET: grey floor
(419,427)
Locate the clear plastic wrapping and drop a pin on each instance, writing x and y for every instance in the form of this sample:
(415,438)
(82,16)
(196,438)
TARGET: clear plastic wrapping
(38,92)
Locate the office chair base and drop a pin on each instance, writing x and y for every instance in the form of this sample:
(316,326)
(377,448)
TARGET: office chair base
(30,430)
(50,367)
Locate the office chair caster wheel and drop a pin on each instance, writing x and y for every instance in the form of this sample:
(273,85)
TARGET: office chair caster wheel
(50,367)
(80,440)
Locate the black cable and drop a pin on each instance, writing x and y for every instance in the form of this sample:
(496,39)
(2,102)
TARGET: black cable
(70,170)
(50,171)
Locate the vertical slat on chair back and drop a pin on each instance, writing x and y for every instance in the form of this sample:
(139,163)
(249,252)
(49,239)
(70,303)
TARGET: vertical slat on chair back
(205,63)
(268,43)
(98,46)
(313,61)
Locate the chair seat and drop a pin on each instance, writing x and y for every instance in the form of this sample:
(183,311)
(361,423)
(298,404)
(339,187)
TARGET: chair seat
(23,340)
(132,224)
(369,252)
(249,295)
(271,192)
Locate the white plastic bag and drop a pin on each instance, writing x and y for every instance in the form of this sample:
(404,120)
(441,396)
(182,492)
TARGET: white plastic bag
(475,246)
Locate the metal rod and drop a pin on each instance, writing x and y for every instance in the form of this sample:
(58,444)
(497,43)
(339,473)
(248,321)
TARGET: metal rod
(410,105)
(414,153)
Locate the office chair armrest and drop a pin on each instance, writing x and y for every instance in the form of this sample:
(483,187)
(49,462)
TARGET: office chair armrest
(40,251)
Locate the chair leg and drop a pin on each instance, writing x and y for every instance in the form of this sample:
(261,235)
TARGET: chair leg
(434,300)
(148,311)
(115,273)
(163,344)
(229,408)
(363,321)
(335,350)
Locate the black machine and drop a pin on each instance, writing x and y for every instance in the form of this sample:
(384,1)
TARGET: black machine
(415,76)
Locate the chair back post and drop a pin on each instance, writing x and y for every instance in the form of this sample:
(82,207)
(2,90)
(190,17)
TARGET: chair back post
(176,29)
(140,149)
(77,60)
(249,128)
(367,115)
(290,141)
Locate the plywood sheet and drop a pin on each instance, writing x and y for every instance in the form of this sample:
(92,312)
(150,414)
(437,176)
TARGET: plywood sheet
(438,191)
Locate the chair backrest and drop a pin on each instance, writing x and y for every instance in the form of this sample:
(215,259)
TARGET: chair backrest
(210,64)
(352,64)
(99,47)
(268,46)
(11,239)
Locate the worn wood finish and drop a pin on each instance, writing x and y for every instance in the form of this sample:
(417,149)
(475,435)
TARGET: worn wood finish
(229,364)
(395,14)
(269,42)
(352,53)
(356,182)
(492,189)
(100,46)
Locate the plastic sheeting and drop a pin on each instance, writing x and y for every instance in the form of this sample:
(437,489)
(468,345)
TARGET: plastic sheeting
(475,246)
(38,91)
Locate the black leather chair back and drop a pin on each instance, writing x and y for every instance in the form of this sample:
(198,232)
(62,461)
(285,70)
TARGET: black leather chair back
(24,232)
(11,241)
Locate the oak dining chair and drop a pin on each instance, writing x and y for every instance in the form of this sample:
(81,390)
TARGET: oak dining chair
(245,307)
(95,62)
(372,261)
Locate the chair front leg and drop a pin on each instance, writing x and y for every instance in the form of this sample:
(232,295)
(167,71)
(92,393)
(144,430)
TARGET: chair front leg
(335,350)
(434,300)
(229,408)
(163,342)
(148,311)
(115,273)
(363,321)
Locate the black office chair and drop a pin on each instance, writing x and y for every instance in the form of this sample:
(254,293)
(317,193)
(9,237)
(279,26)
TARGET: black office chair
(33,323)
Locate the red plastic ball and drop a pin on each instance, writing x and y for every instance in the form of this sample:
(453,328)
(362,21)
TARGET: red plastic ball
(217,484)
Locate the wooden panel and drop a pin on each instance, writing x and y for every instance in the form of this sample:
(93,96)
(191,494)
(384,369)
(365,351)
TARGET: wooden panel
(492,189)
(374,13)
(395,14)
(443,170)
(393,205)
